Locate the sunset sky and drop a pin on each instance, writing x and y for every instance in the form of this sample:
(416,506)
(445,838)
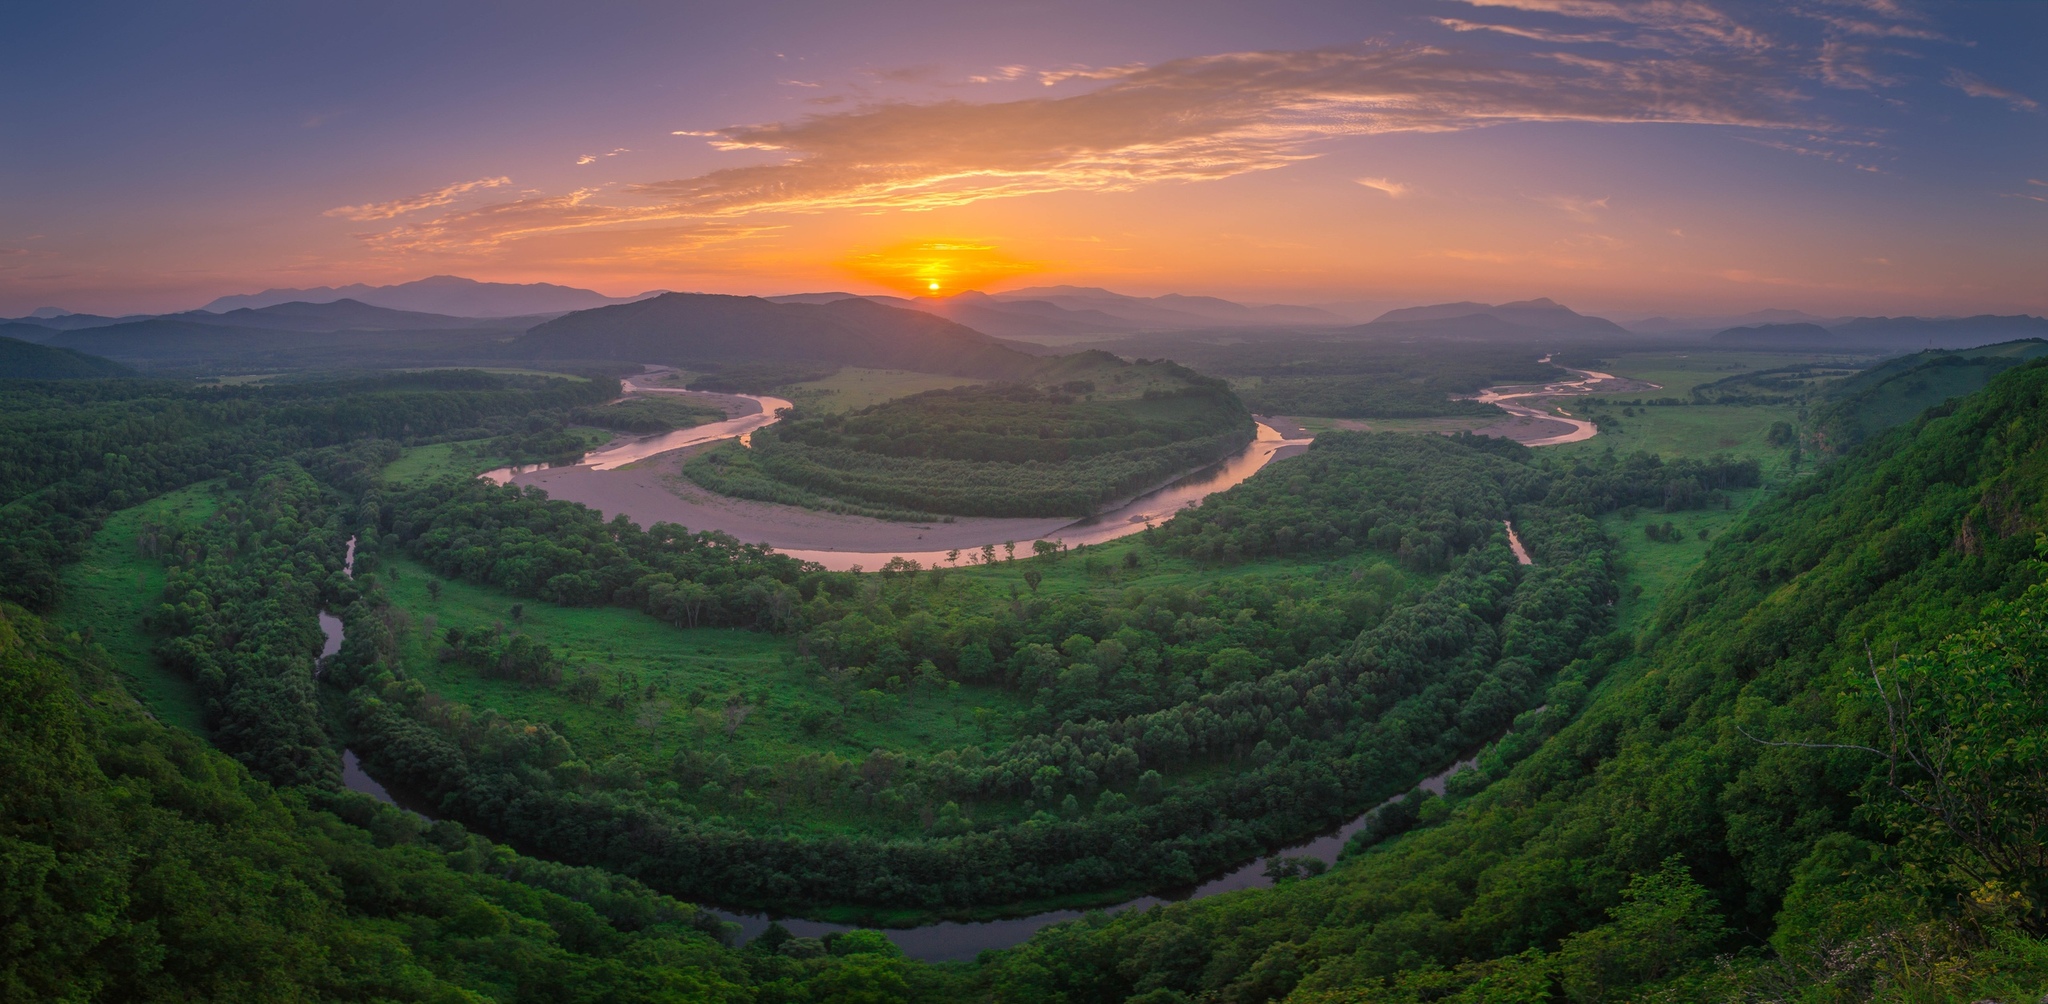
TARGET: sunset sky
(1860,156)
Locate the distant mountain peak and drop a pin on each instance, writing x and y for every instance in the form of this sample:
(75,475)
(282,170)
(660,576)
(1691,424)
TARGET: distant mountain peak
(450,295)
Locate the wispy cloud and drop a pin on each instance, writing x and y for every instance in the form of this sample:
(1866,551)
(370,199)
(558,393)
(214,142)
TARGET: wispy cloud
(1685,23)
(1977,87)
(1187,120)
(1575,206)
(424,200)
(1000,74)
(1394,189)
(592,158)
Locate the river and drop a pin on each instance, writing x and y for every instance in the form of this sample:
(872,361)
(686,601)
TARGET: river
(953,940)
(1151,508)
(961,940)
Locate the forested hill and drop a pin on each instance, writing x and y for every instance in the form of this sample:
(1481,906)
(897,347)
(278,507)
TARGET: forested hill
(687,329)
(1898,390)
(1680,820)
(20,360)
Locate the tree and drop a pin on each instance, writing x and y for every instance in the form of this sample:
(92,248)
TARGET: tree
(1966,748)
(1032,577)
(1664,924)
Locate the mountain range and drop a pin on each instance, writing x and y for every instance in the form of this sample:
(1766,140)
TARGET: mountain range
(1066,312)
(439,294)
(698,329)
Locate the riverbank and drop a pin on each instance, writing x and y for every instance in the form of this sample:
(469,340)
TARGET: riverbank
(653,489)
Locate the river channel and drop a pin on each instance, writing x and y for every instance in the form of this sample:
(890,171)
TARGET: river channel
(952,940)
(961,940)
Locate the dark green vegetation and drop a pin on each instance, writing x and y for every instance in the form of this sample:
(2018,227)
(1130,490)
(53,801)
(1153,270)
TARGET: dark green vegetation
(72,452)
(1761,796)
(138,864)
(1678,818)
(647,416)
(20,360)
(1138,733)
(344,335)
(703,331)
(1886,395)
(1091,430)
(761,378)
(1352,376)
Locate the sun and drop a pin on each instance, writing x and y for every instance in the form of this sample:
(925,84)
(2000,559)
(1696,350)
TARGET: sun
(931,266)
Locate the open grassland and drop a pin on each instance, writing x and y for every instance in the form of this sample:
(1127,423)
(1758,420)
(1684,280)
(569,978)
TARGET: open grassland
(1654,567)
(640,692)
(470,457)
(109,591)
(655,690)
(1688,431)
(1679,372)
(854,388)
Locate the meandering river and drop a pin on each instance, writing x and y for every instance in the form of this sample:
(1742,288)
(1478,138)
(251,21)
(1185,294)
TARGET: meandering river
(951,940)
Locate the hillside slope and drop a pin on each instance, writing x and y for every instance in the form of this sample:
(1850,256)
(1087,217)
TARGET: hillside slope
(707,330)
(21,360)
(1659,829)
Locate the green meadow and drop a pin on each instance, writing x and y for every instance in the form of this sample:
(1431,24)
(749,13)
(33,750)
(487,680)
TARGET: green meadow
(114,585)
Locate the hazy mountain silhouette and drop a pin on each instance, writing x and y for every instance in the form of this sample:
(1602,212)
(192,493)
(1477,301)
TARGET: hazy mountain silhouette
(451,295)
(337,315)
(1475,319)
(1800,335)
(1890,334)
(705,328)
(1661,324)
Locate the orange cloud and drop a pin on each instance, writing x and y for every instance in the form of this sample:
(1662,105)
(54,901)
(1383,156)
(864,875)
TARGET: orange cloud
(424,200)
(1188,120)
(931,268)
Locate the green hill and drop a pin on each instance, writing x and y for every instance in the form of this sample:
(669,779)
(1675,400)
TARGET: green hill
(1725,794)
(1895,391)
(21,360)
(1087,429)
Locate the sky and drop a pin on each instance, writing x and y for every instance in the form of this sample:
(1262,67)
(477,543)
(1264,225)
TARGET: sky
(1629,158)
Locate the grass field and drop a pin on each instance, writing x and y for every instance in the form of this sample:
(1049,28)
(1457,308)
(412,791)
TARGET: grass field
(852,388)
(1698,431)
(468,457)
(1652,567)
(677,684)
(107,593)
(1679,372)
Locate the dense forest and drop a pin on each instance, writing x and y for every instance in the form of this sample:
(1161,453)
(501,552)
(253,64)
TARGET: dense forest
(1818,782)
(1321,696)
(1059,449)
(72,452)
(1811,778)
(1351,377)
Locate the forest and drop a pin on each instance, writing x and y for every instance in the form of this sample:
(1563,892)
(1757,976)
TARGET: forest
(1062,447)
(1767,794)
(1350,377)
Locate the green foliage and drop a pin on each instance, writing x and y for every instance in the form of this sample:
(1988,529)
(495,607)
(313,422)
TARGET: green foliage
(72,452)
(647,416)
(991,450)
(21,360)
(139,864)
(1893,548)
(1898,390)
(761,378)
